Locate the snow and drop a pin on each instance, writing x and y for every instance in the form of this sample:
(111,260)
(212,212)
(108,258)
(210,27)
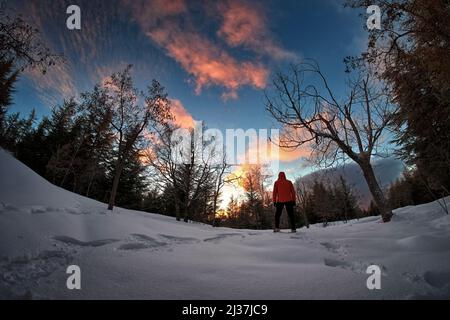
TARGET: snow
(135,255)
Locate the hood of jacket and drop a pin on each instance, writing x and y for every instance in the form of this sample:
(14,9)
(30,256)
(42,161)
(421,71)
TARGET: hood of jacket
(281,176)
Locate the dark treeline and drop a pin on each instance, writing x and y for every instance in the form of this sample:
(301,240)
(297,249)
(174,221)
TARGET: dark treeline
(113,143)
(74,148)
(317,202)
(323,202)
(79,145)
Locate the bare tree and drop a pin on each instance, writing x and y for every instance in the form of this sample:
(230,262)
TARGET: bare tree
(21,44)
(21,47)
(132,117)
(335,130)
(195,171)
(164,165)
(221,178)
(183,164)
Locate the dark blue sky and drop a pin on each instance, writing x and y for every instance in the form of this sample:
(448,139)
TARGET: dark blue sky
(214,57)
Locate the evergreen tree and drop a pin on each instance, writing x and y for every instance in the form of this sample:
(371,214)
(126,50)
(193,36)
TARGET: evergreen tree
(7,79)
(323,202)
(33,150)
(413,49)
(133,184)
(346,202)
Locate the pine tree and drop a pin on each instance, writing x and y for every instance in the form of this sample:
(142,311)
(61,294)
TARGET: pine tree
(322,199)
(34,150)
(61,139)
(346,202)
(20,48)
(8,77)
(133,185)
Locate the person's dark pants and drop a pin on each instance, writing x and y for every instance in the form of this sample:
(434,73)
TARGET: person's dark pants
(290,212)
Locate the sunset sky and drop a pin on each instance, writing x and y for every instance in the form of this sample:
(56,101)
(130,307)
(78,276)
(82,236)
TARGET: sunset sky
(215,58)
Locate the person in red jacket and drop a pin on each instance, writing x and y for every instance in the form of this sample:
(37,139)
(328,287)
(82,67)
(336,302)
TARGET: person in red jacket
(284,196)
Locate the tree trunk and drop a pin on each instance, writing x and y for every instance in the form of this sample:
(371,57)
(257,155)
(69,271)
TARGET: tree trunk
(376,191)
(186,206)
(215,209)
(112,198)
(91,180)
(186,214)
(177,210)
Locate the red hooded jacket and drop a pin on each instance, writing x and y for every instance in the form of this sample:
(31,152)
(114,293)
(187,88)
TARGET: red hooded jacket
(283,190)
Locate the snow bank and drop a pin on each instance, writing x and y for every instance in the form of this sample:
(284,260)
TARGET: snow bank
(134,255)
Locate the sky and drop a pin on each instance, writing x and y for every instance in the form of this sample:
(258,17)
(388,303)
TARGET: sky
(215,58)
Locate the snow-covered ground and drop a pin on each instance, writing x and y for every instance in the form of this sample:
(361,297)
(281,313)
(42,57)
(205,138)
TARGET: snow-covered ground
(134,255)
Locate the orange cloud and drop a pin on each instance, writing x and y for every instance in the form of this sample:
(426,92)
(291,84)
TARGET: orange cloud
(206,61)
(245,24)
(182,117)
(209,64)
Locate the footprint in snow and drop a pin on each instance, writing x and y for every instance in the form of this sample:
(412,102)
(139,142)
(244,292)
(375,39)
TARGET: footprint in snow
(134,246)
(7,207)
(141,241)
(19,275)
(76,242)
(357,266)
(335,248)
(438,279)
(178,239)
(222,236)
(38,210)
(73,211)
(411,277)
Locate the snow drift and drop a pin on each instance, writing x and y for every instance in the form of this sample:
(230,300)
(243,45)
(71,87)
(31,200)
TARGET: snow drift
(135,255)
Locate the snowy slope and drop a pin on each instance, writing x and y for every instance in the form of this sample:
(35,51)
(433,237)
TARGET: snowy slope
(134,255)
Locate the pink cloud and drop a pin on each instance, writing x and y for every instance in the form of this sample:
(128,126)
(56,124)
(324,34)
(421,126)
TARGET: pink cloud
(182,117)
(207,62)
